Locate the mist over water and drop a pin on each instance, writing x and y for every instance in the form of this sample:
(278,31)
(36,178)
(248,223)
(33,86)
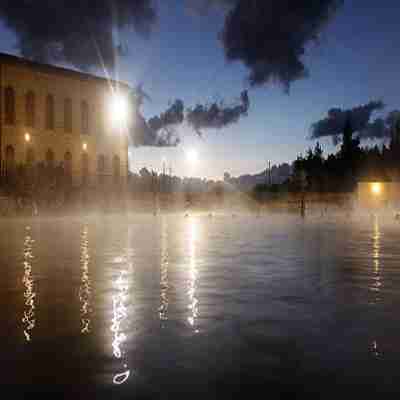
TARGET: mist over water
(157,306)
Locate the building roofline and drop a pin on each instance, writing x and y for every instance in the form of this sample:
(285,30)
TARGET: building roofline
(52,69)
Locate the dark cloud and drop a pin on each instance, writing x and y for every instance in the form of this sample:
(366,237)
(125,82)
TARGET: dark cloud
(217,115)
(333,125)
(79,32)
(381,128)
(203,6)
(159,131)
(271,36)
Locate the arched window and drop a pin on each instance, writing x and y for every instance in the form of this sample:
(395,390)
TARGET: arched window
(50,112)
(10,160)
(85,117)
(85,168)
(101,163)
(30,156)
(116,168)
(68,115)
(9,106)
(68,166)
(50,158)
(101,167)
(30,109)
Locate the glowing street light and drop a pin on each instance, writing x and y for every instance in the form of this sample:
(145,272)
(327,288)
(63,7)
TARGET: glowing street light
(84,146)
(376,188)
(118,109)
(192,156)
(27,137)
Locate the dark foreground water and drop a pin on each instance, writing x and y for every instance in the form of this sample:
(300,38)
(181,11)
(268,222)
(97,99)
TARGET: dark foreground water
(173,307)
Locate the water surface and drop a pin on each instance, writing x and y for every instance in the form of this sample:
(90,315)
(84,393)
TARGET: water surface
(154,307)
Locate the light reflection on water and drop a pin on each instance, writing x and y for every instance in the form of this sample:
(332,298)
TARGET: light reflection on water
(120,311)
(117,326)
(85,289)
(28,319)
(253,291)
(193,306)
(164,285)
(377,283)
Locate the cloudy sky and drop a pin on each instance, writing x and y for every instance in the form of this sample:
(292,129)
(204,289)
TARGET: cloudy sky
(354,61)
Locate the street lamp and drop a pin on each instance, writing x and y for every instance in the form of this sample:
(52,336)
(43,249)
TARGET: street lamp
(118,109)
(84,146)
(27,137)
(376,188)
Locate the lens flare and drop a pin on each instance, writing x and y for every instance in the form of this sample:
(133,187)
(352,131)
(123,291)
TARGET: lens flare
(118,109)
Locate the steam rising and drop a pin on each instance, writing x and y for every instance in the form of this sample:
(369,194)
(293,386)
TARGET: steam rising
(217,115)
(79,32)
(359,117)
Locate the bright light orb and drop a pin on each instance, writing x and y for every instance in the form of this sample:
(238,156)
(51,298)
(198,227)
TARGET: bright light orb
(192,156)
(118,109)
(27,137)
(376,189)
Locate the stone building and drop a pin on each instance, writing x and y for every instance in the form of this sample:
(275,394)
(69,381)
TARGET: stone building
(61,117)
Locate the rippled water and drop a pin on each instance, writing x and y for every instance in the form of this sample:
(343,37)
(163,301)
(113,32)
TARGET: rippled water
(152,307)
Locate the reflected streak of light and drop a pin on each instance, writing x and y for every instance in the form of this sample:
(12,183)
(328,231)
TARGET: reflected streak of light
(120,379)
(85,289)
(193,301)
(164,284)
(120,314)
(376,255)
(28,319)
(374,349)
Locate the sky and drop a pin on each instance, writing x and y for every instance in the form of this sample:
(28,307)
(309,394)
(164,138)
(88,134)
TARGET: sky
(356,60)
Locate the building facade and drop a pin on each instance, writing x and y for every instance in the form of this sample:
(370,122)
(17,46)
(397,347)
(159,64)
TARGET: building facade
(59,117)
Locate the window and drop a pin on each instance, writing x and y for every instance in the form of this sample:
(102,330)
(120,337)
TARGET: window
(68,115)
(10,160)
(50,112)
(101,163)
(101,167)
(9,106)
(68,166)
(85,117)
(50,158)
(30,156)
(116,169)
(85,168)
(30,109)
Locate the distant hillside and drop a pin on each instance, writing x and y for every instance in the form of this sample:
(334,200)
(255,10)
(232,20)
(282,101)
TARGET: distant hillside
(279,174)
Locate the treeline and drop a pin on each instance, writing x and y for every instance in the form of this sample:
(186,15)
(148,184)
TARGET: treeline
(352,163)
(340,172)
(148,181)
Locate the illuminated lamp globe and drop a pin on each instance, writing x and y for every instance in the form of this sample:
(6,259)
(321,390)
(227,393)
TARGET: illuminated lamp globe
(376,189)
(118,109)
(192,156)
